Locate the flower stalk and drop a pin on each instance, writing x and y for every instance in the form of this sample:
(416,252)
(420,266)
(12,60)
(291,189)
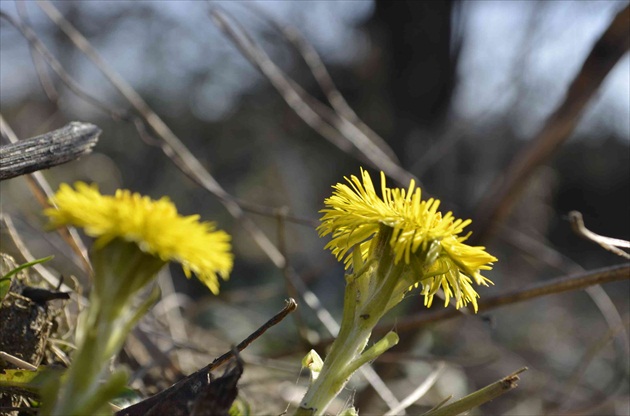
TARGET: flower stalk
(121,269)
(366,297)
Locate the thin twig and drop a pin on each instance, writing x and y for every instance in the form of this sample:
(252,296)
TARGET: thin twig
(290,306)
(549,256)
(145,405)
(275,212)
(43,271)
(326,122)
(159,358)
(56,66)
(175,322)
(554,286)
(44,77)
(552,258)
(420,391)
(302,329)
(608,243)
(583,363)
(324,80)
(16,361)
(379,386)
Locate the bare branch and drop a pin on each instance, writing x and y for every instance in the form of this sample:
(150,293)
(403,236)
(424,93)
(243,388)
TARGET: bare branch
(17,362)
(144,406)
(56,66)
(554,286)
(42,74)
(323,78)
(572,382)
(608,243)
(420,391)
(43,271)
(549,256)
(606,52)
(302,328)
(337,129)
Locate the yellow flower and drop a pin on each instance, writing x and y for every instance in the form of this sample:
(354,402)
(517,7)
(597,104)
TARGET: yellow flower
(154,226)
(421,236)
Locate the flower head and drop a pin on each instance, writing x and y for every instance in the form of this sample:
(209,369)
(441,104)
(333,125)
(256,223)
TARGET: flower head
(431,243)
(154,226)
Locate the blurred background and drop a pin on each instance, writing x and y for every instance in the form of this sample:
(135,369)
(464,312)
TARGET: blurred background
(455,89)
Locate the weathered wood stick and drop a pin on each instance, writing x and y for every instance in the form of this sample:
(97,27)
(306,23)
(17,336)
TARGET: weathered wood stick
(51,149)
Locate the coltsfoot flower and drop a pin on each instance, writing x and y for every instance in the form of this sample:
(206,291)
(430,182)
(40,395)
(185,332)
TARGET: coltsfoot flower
(135,238)
(421,237)
(392,244)
(154,226)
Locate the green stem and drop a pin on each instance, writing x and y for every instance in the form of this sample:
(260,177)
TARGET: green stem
(81,381)
(361,313)
(120,270)
(334,374)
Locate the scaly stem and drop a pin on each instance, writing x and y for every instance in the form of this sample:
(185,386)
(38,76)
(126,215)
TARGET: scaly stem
(334,376)
(361,313)
(121,269)
(81,381)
